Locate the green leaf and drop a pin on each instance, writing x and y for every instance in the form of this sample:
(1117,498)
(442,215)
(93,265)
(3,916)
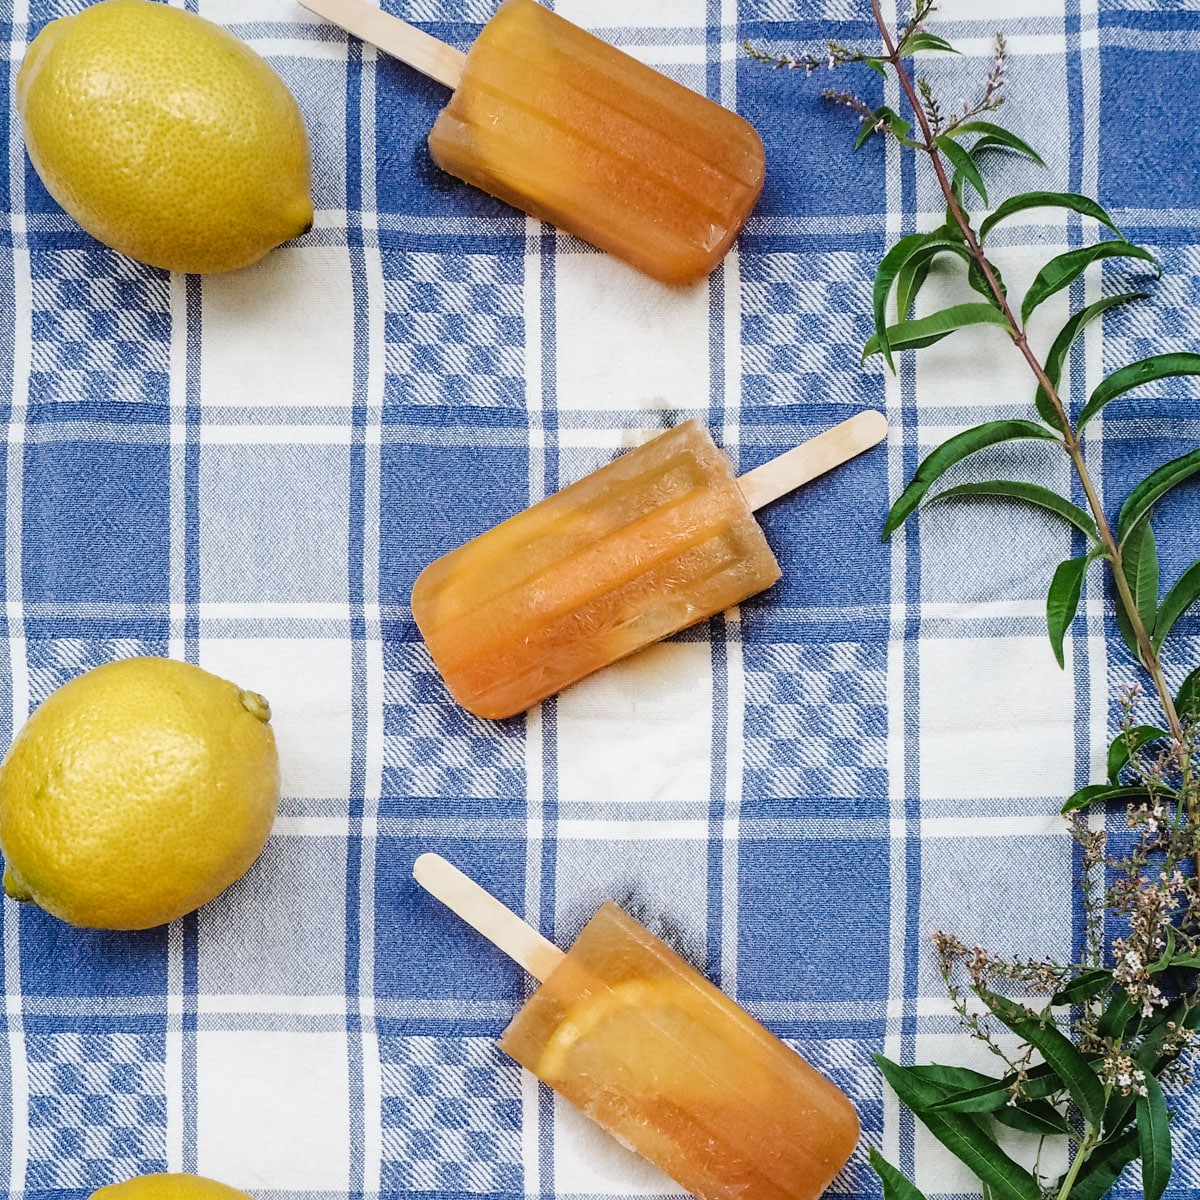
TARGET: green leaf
(1103,793)
(1033,493)
(1073,1069)
(1104,1167)
(926,41)
(950,1079)
(1139,563)
(924,331)
(885,276)
(1164,960)
(1035,1116)
(1057,357)
(912,275)
(1154,1139)
(896,1186)
(962,1136)
(1027,200)
(1182,595)
(952,451)
(909,282)
(963,163)
(1062,271)
(1062,602)
(1084,986)
(979,281)
(1126,745)
(994,134)
(1117,1014)
(1147,370)
(1152,489)
(1187,699)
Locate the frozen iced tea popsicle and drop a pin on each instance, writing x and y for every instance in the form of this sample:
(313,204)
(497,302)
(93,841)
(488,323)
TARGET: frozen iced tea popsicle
(567,128)
(660,538)
(663,1060)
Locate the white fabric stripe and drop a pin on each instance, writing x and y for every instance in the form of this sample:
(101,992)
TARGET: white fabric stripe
(173,1065)
(372,1082)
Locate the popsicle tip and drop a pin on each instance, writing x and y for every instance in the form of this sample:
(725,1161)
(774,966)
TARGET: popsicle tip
(427,864)
(873,424)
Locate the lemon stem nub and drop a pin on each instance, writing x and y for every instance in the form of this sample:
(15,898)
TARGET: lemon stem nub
(253,703)
(14,889)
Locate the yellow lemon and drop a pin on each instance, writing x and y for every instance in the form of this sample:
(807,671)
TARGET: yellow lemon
(135,793)
(165,136)
(169,1187)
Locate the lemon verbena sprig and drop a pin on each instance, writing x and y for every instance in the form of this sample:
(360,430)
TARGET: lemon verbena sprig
(1097,1038)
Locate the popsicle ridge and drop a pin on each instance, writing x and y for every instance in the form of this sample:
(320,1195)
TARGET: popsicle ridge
(563,125)
(653,541)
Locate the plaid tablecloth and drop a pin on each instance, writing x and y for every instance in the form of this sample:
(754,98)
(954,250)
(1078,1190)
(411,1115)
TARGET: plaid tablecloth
(247,471)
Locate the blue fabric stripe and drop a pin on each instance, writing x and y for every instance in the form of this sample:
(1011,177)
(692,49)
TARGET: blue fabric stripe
(358,645)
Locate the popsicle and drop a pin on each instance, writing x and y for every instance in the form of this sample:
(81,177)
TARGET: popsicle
(570,129)
(661,538)
(663,1060)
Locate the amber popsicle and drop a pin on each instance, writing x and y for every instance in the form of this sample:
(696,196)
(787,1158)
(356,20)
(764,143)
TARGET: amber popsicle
(659,539)
(663,1060)
(568,128)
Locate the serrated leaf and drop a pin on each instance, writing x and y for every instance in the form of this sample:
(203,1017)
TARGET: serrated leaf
(1179,598)
(1073,1069)
(1027,200)
(1056,359)
(1104,793)
(952,451)
(896,1185)
(926,41)
(1035,1116)
(1152,489)
(963,163)
(1084,986)
(886,274)
(1126,745)
(1032,493)
(1154,1139)
(1187,699)
(1062,271)
(1103,1168)
(924,331)
(998,135)
(965,1139)
(1147,370)
(1062,602)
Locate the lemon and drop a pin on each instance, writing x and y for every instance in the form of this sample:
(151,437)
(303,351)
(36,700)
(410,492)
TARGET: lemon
(169,1187)
(165,136)
(135,793)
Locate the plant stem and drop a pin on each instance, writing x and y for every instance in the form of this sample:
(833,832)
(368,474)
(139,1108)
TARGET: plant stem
(1071,442)
(1081,1156)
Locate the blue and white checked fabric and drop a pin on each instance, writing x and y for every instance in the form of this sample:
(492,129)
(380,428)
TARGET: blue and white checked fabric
(248,471)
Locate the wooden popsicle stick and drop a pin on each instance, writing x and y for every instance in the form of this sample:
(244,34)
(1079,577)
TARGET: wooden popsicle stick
(812,458)
(394,36)
(484,913)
